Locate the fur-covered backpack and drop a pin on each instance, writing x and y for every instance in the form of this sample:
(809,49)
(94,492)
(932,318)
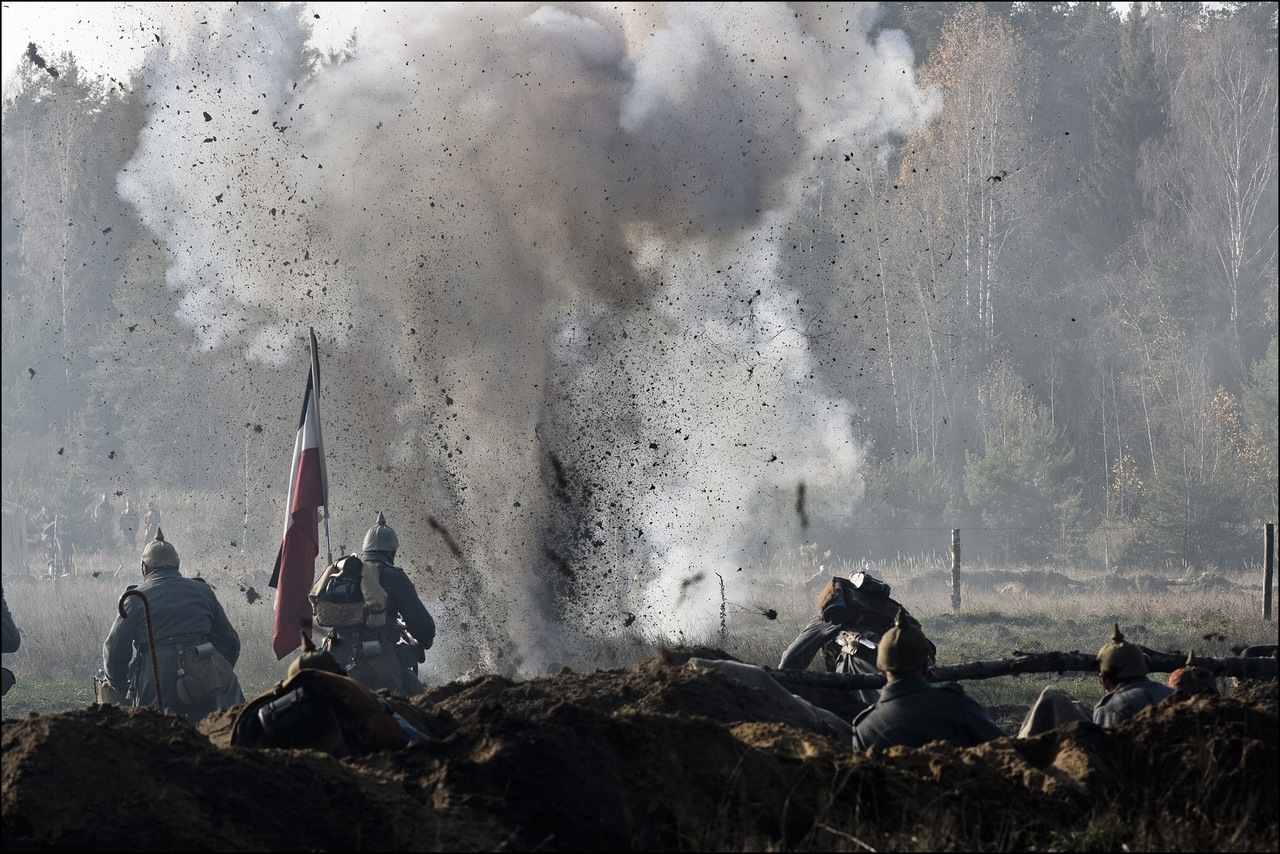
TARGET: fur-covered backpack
(321,708)
(861,602)
(350,593)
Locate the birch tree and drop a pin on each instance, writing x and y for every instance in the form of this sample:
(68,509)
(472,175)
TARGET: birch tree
(974,167)
(1214,177)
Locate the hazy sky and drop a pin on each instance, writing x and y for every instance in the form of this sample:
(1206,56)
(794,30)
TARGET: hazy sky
(113,38)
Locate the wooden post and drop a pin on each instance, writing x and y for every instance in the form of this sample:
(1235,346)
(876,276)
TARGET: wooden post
(955,569)
(1268,561)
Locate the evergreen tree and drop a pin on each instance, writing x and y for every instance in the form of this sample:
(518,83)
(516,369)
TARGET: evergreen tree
(1260,404)
(1128,111)
(1021,482)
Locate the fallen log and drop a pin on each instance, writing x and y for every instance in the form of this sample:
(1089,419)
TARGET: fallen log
(1040,662)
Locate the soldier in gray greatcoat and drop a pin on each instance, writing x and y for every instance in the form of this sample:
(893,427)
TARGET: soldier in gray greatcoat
(129,524)
(367,632)
(12,640)
(912,712)
(189,627)
(1123,669)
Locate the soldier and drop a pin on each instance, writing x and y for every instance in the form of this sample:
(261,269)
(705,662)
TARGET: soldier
(852,615)
(102,522)
(129,524)
(368,604)
(196,645)
(1193,680)
(12,640)
(318,706)
(1122,669)
(151,521)
(60,547)
(52,548)
(911,712)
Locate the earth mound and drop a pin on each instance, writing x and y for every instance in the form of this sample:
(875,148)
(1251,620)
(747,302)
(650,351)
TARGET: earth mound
(665,755)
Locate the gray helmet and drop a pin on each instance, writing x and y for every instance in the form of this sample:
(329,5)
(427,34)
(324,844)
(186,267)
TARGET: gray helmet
(381,537)
(1118,659)
(904,647)
(159,553)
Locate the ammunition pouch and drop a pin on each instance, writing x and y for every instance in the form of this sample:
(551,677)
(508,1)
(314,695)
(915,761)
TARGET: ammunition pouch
(203,673)
(104,694)
(339,614)
(371,658)
(298,719)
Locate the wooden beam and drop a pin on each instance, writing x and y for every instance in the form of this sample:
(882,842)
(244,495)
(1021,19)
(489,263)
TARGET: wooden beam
(1041,662)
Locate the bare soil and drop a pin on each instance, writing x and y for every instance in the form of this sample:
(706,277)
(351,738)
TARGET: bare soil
(658,756)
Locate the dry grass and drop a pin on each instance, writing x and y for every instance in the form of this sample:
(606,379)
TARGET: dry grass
(64,621)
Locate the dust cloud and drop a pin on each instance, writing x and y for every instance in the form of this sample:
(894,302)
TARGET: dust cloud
(539,245)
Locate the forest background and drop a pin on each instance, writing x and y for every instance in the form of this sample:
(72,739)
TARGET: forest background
(1054,306)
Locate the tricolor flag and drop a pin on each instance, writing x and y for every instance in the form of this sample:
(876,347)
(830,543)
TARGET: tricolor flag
(308,492)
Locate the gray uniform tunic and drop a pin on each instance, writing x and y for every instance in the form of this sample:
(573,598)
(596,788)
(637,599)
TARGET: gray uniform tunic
(820,634)
(12,640)
(912,712)
(184,612)
(1129,698)
(12,637)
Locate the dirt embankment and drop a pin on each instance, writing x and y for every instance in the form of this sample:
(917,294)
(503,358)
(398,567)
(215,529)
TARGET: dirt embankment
(660,756)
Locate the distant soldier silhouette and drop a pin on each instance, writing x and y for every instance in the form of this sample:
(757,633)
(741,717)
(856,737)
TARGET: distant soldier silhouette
(103,522)
(151,521)
(129,524)
(59,547)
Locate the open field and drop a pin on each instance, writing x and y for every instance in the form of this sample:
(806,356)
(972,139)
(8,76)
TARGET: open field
(653,753)
(1002,610)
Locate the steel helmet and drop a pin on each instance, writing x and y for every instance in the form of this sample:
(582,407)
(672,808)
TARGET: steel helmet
(159,553)
(1118,659)
(313,658)
(1194,679)
(381,537)
(904,647)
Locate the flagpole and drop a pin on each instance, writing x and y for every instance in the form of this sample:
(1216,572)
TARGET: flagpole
(324,468)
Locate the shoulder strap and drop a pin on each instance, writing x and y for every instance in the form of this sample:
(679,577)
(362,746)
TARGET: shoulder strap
(375,597)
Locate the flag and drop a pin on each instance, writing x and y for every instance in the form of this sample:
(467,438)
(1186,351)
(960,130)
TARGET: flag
(308,490)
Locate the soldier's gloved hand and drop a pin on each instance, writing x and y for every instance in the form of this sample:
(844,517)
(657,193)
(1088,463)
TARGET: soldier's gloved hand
(848,641)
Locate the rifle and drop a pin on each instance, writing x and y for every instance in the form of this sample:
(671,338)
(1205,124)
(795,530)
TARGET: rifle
(408,650)
(1042,662)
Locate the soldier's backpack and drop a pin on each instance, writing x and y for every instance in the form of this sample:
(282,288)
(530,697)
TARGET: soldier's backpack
(862,602)
(349,593)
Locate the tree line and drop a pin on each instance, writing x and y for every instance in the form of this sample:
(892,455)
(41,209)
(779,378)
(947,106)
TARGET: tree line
(1055,307)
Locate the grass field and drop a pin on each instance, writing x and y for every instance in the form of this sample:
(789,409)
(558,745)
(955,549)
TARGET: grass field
(1002,610)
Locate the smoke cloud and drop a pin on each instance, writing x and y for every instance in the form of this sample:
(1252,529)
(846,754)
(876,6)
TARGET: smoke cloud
(540,245)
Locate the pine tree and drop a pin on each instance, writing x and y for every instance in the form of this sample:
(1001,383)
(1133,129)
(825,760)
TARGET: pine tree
(1129,110)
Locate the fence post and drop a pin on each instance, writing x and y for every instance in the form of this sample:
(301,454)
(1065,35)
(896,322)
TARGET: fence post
(1268,561)
(955,569)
